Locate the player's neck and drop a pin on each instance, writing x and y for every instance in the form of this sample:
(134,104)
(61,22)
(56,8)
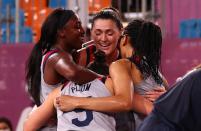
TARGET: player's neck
(62,48)
(112,57)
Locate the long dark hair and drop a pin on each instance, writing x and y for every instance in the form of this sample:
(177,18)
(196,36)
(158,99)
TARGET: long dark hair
(52,24)
(146,39)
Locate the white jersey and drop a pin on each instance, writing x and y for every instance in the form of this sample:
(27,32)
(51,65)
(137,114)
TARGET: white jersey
(85,120)
(146,85)
(46,88)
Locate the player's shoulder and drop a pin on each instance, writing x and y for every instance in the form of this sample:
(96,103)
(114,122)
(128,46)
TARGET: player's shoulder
(121,63)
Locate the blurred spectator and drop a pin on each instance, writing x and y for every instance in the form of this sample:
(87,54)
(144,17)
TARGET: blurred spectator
(24,114)
(188,72)
(5,124)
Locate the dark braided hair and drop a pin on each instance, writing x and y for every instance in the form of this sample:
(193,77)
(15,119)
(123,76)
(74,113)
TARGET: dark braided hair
(52,24)
(146,39)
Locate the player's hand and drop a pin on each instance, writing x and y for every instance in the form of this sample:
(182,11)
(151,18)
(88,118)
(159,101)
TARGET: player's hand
(65,103)
(153,95)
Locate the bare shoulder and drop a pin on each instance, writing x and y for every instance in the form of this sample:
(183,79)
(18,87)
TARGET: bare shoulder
(63,55)
(60,58)
(124,67)
(120,64)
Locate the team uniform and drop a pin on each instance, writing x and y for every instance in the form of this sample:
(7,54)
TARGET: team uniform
(124,120)
(46,88)
(179,108)
(85,120)
(148,84)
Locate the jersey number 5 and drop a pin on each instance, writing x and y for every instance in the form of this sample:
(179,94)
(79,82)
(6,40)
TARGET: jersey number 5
(86,122)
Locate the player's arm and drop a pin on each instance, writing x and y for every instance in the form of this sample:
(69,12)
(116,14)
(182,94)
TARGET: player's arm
(157,91)
(141,105)
(155,94)
(121,101)
(66,67)
(42,114)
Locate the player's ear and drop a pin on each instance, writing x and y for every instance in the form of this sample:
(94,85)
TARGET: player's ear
(125,40)
(61,33)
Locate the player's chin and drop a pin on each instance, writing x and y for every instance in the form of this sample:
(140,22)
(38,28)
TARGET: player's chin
(82,39)
(79,46)
(106,52)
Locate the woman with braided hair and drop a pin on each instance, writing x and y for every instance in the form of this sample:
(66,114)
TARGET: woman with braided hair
(50,63)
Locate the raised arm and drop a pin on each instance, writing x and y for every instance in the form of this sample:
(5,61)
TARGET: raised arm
(66,67)
(42,114)
(141,105)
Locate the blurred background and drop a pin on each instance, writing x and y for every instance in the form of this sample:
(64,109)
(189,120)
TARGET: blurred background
(21,20)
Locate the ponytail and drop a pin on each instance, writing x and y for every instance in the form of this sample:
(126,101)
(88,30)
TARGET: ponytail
(33,73)
(146,39)
(52,24)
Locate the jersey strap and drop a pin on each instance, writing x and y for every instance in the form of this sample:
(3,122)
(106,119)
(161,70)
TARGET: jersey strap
(90,53)
(47,55)
(65,83)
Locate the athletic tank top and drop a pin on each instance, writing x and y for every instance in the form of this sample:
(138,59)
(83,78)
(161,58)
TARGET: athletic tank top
(85,120)
(147,84)
(46,88)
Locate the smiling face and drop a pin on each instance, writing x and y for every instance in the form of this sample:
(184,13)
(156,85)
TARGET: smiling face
(74,33)
(105,33)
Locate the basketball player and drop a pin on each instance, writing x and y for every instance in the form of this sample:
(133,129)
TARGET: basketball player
(85,120)
(105,32)
(51,63)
